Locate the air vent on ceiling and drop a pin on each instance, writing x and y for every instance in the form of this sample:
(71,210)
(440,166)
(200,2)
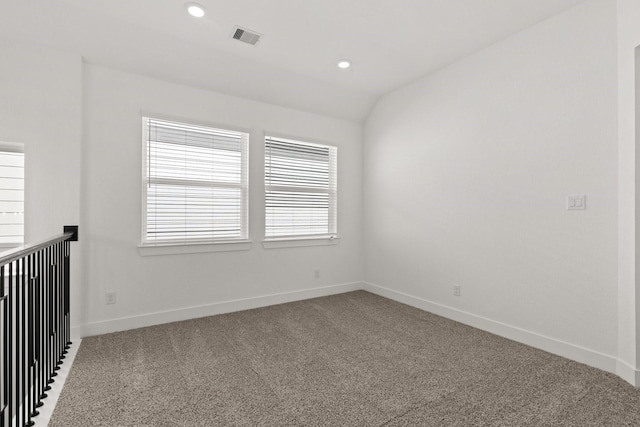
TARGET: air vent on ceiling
(247,36)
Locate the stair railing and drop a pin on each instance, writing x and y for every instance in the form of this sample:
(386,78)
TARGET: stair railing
(34,324)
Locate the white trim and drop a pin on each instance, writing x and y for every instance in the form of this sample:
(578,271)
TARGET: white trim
(331,190)
(193,248)
(15,149)
(570,351)
(76,333)
(628,373)
(147,180)
(196,122)
(187,313)
(299,139)
(561,348)
(46,411)
(298,242)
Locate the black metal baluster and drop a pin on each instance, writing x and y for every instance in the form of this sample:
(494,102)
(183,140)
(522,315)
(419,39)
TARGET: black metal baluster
(18,335)
(5,369)
(51,318)
(10,345)
(28,339)
(43,319)
(54,337)
(23,340)
(54,308)
(37,339)
(31,393)
(28,333)
(62,303)
(54,299)
(13,342)
(18,344)
(59,329)
(67,293)
(47,330)
(64,337)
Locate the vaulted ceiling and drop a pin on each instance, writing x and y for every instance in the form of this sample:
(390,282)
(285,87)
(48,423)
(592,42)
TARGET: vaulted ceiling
(389,42)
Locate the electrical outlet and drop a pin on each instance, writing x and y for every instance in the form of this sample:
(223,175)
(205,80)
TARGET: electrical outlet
(456,290)
(316,273)
(110,298)
(576,203)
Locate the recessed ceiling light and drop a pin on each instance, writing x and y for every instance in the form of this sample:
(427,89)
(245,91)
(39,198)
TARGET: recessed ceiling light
(344,64)
(195,9)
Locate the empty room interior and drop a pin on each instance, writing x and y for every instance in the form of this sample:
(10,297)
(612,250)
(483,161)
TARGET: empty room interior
(337,212)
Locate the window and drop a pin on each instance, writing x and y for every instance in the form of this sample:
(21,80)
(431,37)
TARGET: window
(301,189)
(11,195)
(195,186)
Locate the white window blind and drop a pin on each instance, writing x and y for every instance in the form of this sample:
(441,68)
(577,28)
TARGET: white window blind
(195,183)
(301,188)
(11,196)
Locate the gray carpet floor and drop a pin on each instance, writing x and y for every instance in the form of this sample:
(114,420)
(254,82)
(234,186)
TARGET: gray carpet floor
(354,359)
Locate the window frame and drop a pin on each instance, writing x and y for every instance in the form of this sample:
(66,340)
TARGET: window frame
(195,245)
(16,147)
(300,240)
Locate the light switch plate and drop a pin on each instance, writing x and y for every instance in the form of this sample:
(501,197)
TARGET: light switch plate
(576,203)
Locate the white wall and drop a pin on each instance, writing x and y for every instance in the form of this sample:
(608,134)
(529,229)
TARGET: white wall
(41,107)
(628,296)
(493,145)
(163,284)
(466,173)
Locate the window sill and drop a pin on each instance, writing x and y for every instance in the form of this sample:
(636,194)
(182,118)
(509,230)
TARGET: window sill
(298,242)
(194,248)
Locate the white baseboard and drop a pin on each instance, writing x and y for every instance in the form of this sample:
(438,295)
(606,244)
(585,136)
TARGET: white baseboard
(50,402)
(561,348)
(628,373)
(76,333)
(150,319)
(570,351)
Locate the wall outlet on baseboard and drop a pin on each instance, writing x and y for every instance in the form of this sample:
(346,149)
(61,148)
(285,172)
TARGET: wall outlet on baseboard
(316,273)
(110,298)
(456,290)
